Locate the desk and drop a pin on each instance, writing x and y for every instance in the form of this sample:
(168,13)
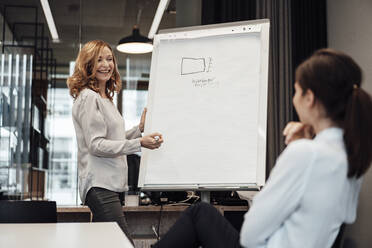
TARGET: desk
(151,208)
(140,219)
(63,235)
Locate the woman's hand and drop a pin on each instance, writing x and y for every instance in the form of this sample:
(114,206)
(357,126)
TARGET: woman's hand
(297,130)
(152,141)
(143,118)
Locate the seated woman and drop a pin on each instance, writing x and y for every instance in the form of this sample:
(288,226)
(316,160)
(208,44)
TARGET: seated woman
(315,183)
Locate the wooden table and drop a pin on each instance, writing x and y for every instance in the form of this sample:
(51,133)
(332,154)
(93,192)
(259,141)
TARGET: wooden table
(63,235)
(150,208)
(141,219)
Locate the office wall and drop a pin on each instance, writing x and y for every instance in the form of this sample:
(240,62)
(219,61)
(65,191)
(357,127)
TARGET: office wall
(350,30)
(188,13)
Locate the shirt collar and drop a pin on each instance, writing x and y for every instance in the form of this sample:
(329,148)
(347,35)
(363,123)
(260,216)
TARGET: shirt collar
(330,133)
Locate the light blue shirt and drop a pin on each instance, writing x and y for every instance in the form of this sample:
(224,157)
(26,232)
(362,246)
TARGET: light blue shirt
(307,197)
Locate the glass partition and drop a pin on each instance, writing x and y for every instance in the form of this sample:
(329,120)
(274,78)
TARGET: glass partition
(15,94)
(38,149)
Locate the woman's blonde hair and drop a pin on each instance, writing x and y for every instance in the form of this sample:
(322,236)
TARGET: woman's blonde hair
(84,75)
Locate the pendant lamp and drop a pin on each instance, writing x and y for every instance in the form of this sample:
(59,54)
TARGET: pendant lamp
(135,43)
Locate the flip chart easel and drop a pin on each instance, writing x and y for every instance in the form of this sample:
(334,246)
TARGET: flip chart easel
(208,98)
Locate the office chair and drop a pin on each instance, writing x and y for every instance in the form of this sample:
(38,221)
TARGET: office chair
(133,161)
(28,212)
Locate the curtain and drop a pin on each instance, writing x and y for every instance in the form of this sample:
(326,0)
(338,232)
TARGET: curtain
(280,82)
(309,28)
(219,11)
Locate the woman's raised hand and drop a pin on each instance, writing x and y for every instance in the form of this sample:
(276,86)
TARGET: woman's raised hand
(152,141)
(297,130)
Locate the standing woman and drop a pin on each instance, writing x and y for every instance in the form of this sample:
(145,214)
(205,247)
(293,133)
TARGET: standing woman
(315,184)
(103,142)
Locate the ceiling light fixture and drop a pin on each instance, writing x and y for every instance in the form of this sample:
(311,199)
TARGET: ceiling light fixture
(163,5)
(135,43)
(50,21)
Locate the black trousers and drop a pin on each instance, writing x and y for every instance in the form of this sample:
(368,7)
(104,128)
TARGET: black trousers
(106,206)
(200,225)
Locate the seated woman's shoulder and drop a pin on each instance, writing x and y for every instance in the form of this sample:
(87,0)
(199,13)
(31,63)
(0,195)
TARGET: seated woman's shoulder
(302,150)
(320,153)
(301,145)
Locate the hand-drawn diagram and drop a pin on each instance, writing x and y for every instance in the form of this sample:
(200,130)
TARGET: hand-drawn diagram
(192,65)
(209,65)
(205,82)
(195,65)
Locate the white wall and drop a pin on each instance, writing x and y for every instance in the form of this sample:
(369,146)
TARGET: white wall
(350,30)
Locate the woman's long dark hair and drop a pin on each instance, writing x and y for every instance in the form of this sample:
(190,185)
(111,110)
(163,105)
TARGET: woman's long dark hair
(335,79)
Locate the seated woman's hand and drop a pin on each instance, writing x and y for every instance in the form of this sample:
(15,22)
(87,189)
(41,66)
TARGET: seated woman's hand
(152,141)
(297,130)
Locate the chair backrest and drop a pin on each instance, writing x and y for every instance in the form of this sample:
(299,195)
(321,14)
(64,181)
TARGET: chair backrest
(133,161)
(28,212)
(339,239)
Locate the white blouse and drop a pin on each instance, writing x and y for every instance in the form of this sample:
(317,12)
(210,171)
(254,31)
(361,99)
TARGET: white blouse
(103,143)
(307,197)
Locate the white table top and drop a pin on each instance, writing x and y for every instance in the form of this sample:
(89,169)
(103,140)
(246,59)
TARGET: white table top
(63,235)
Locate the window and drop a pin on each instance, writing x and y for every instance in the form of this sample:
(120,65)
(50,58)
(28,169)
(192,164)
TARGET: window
(62,179)
(134,101)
